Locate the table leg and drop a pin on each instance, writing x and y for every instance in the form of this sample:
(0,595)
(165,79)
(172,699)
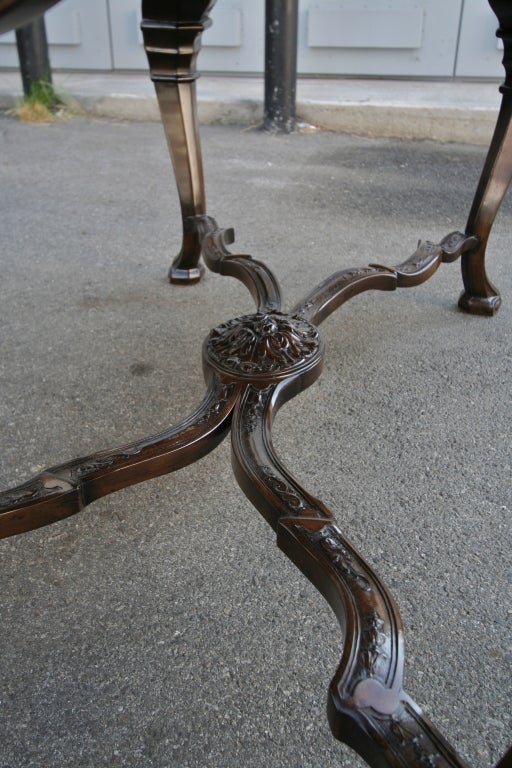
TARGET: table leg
(480,296)
(172,39)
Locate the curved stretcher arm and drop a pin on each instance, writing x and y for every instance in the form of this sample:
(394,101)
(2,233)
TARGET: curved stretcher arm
(255,275)
(367,706)
(66,489)
(338,288)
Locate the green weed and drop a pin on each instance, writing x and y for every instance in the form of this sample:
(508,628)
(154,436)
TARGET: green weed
(41,104)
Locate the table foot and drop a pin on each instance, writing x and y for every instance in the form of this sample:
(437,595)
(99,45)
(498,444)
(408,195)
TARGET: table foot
(480,297)
(179,276)
(480,305)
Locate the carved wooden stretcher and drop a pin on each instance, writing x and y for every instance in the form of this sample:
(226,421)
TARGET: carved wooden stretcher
(255,363)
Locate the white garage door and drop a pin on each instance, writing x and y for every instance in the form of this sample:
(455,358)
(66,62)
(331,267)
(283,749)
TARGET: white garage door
(375,38)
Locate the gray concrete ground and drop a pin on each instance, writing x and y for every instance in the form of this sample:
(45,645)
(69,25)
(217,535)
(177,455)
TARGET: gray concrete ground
(444,110)
(162,627)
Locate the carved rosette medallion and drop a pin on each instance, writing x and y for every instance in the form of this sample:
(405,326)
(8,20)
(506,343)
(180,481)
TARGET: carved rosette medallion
(264,347)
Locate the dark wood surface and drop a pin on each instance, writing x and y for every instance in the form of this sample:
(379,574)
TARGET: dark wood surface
(253,364)
(503,11)
(16,13)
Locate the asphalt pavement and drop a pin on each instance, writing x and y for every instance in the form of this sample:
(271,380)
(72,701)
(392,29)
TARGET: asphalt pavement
(161,627)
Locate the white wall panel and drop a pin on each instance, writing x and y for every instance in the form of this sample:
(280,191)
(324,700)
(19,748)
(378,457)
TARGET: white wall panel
(376,38)
(403,38)
(351,28)
(234,42)
(480,51)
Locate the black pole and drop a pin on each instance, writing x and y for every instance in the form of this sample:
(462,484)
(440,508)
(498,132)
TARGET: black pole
(33,54)
(281,22)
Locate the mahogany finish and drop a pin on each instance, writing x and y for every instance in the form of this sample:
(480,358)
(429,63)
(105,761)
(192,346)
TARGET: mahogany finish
(252,366)
(172,39)
(480,296)
(14,14)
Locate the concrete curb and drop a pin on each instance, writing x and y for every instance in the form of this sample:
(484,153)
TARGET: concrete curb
(462,112)
(404,122)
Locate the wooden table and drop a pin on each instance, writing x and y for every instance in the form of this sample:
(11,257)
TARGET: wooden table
(253,365)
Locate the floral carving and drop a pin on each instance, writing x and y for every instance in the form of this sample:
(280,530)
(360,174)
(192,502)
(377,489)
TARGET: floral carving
(89,466)
(424,256)
(211,410)
(263,345)
(373,641)
(33,490)
(331,541)
(409,736)
(255,405)
(337,284)
(286,493)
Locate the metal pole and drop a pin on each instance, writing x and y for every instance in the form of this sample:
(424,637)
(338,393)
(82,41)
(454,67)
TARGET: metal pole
(281,23)
(33,54)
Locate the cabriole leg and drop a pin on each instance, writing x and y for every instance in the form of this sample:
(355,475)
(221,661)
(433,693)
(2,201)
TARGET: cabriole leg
(480,297)
(172,39)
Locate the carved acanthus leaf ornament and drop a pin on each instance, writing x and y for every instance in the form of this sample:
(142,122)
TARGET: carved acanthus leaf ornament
(263,346)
